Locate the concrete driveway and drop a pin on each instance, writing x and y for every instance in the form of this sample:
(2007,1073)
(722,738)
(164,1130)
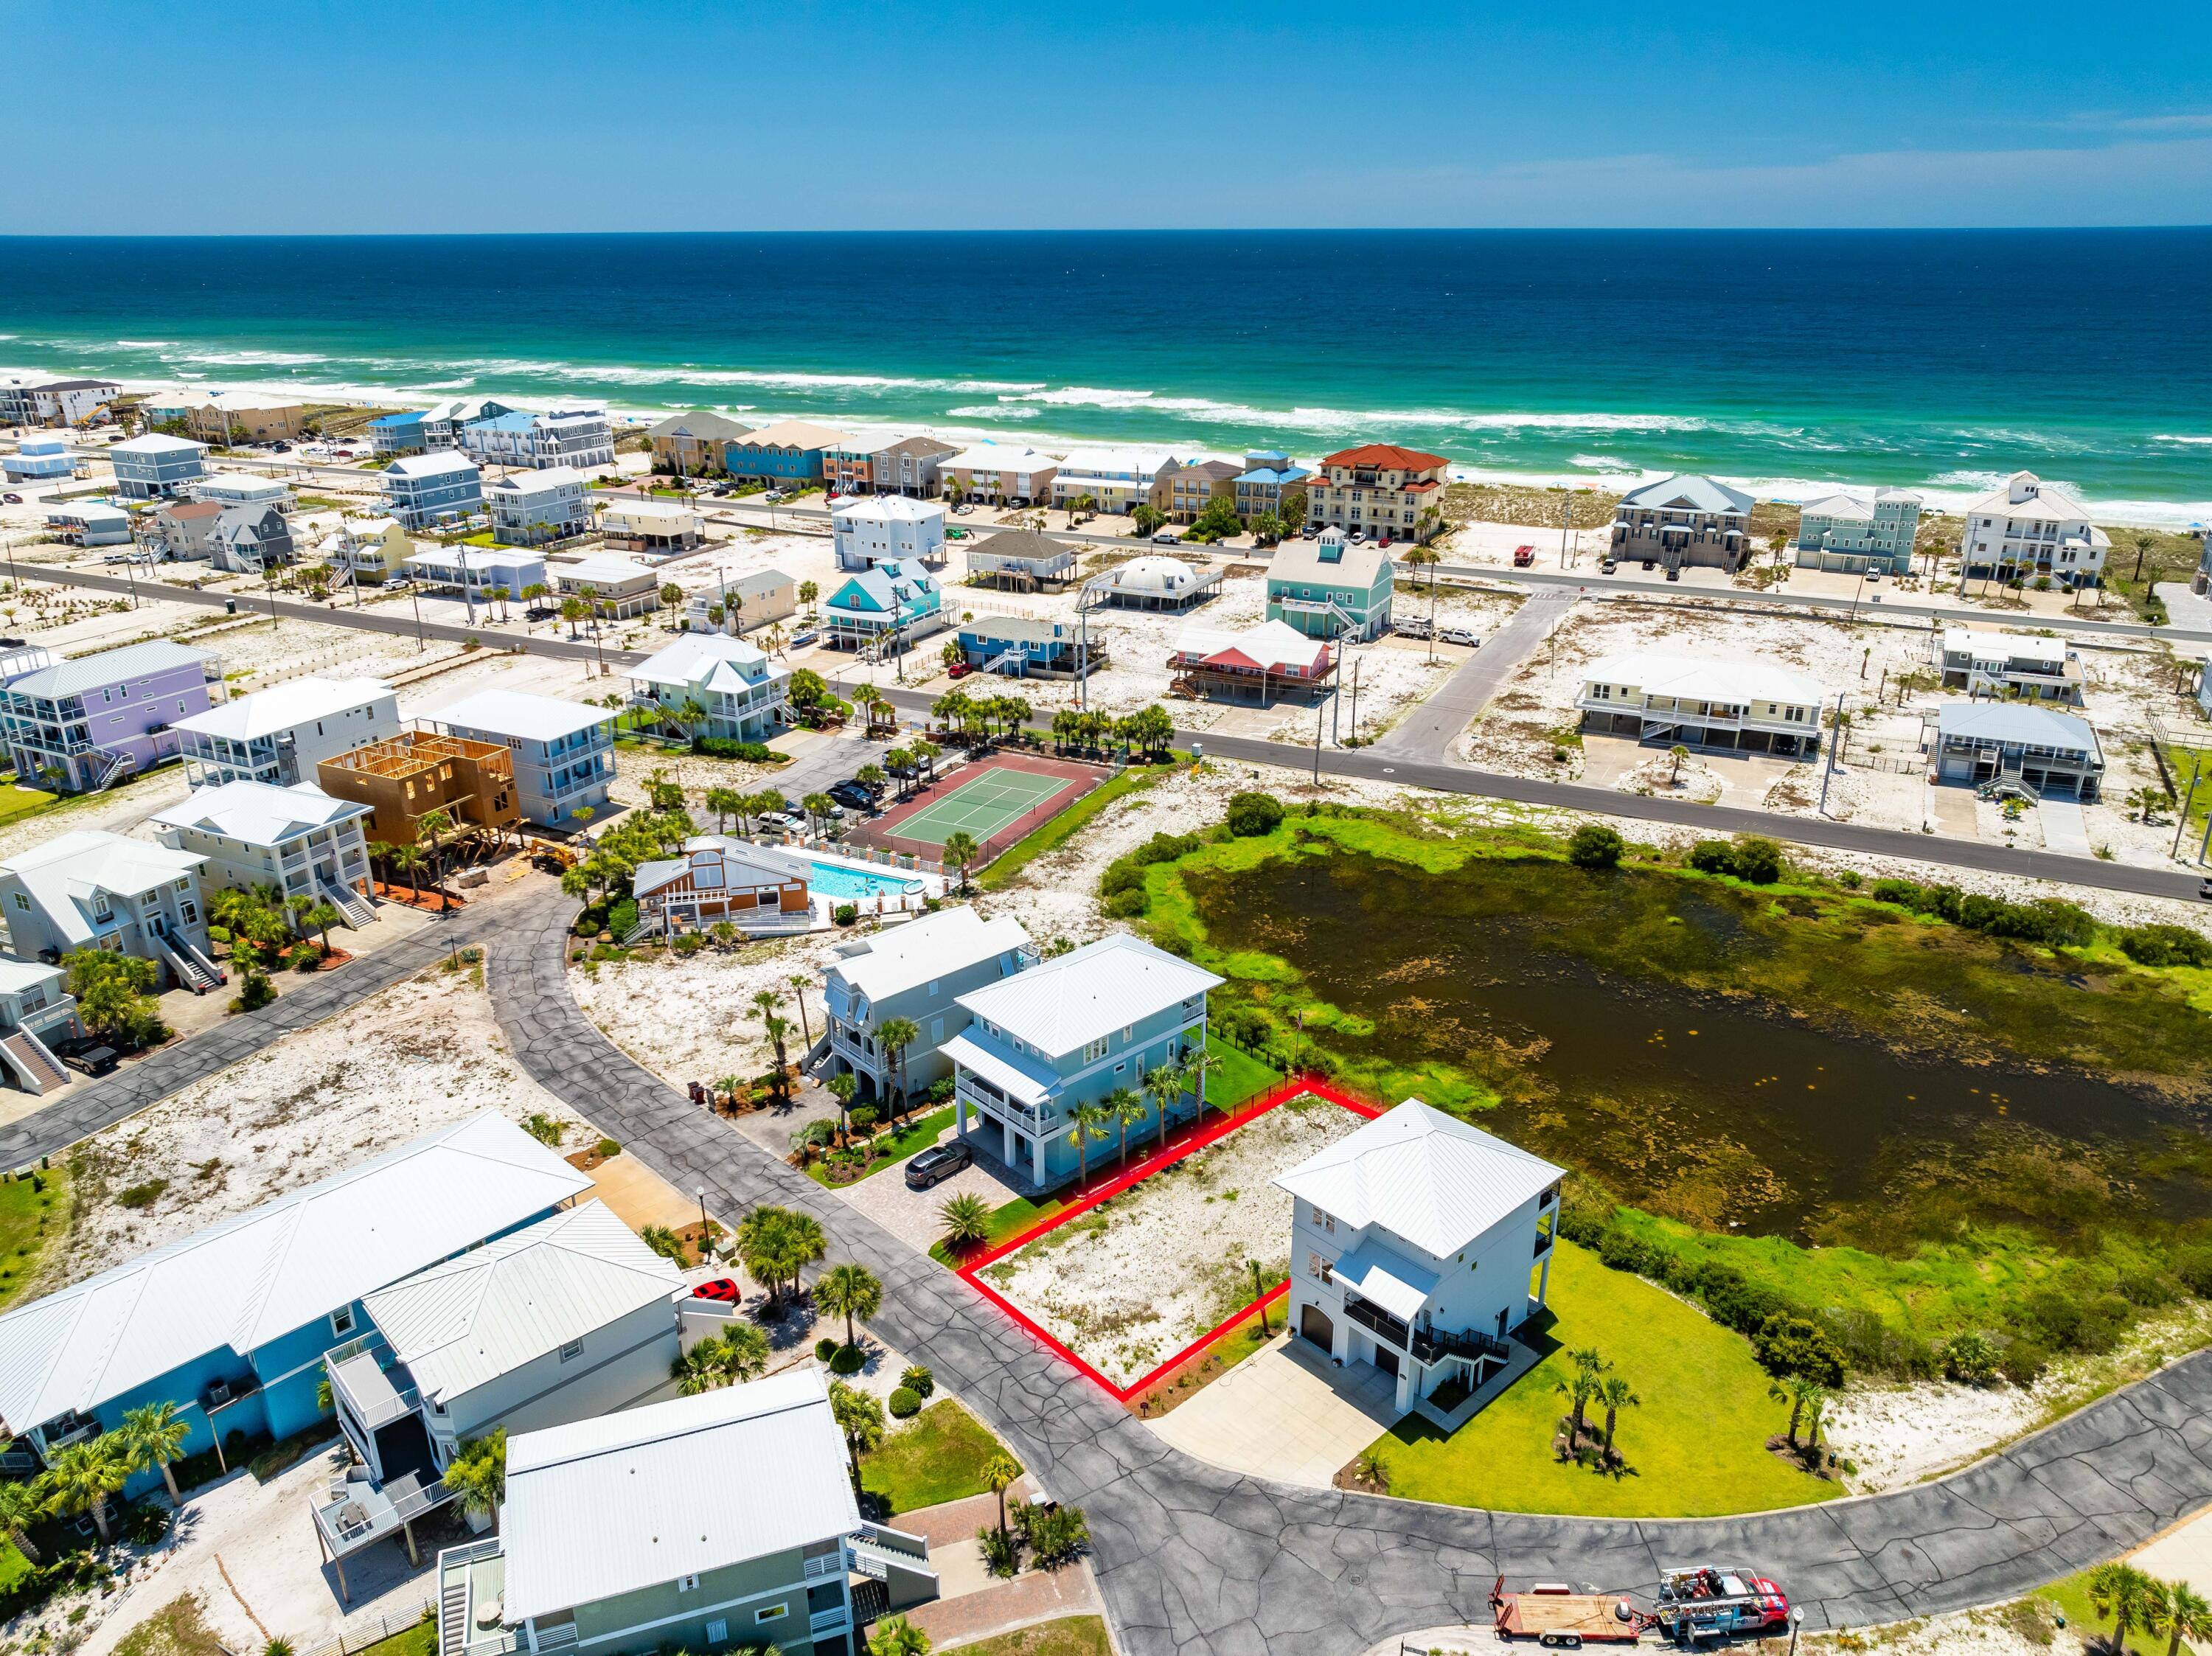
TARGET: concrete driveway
(912,1214)
(1286,1413)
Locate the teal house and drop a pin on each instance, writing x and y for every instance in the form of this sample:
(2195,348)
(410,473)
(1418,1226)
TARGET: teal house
(1070,1032)
(897,599)
(1331,587)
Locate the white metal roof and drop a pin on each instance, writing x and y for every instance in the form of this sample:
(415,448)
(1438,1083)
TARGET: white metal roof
(78,674)
(543,480)
(18,976)
(1422,1175)
(1062,1004)
(1687,492)
(2003,646)
(284,706)
(612,571)
(1706,678)
(634,1500)
(2025,497)
(245,1282)
(937,945)
(891,508)
(999,457)
(710,661)
(469,1320)
(1387,1277)
(156,442)
(436,463)
(2016,722)
(520,715)
(1025,1080)
(1273,645)
(259,814)
(1357,564)
(63,874)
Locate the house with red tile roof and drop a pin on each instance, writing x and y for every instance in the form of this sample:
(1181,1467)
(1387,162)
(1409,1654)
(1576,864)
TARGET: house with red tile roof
(1379,489)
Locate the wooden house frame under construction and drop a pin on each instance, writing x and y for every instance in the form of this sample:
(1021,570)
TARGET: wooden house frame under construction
(404,779)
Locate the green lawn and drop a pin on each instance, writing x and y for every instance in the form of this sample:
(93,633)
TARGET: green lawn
(421,1639)
(1007,1220)
(2071,1595)
(1239,1076)
(29,1217)
(1695,1448)
(1070,1635)
(16,800)
(917,1135)
(936,1457)
(14,1567)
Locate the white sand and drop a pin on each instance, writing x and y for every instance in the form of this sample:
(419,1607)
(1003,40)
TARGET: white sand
(1137,1279)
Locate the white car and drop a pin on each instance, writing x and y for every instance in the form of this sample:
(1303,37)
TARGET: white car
(1167,537)
(1458,635)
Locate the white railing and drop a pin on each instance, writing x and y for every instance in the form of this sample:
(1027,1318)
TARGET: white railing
(829,1621)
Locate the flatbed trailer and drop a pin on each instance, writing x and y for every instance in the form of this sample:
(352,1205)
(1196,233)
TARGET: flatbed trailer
(1559,1618)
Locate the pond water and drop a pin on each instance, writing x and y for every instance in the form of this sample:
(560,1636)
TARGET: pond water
(1720,1109)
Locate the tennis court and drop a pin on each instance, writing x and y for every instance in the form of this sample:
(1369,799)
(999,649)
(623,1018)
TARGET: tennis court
(982,808)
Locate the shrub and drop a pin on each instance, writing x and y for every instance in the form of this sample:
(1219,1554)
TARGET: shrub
(904,1404)
(1594,847)
(2023,1362)
(845,913)
(1055,1534)
(1735,1302)
(1903,893)
(1251,815)
(1970,1359)
(2166,945)
(1712,856)
(2193,1265)
(863,1118)
(849,1360)
(1787,1344)
(825,1349)
(918,1380)
(689,943)
(621,916)
(1623,1250)
(254,990)
(145,1195)
(1001,1553)
(1126,904)
(721,746)
(1122,874)
(1755,859)
(607,1148)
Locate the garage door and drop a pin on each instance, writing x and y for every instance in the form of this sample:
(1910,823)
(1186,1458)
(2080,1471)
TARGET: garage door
(1314,1324)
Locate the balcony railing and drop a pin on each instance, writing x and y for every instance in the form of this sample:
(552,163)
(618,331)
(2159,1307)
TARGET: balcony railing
(1433,1344)
(1375,1320)
(829,1621)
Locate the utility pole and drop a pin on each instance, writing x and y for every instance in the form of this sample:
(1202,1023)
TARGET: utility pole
(416,593)
(1317,744)
(2182,827)
(1355,697)
(1830,769)
(1566,514)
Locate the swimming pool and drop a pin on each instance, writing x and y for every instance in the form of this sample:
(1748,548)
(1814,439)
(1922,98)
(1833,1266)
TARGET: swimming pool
(836,880)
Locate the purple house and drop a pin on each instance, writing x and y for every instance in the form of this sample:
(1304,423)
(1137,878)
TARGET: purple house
(77,725)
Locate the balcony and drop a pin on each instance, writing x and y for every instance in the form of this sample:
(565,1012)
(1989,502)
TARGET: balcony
(1391,1330)
(821,1621)
(1434,1345)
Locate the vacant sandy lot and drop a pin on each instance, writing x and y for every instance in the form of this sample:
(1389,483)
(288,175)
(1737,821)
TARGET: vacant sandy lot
(1138,1278)
(690,1018)
(420,1055)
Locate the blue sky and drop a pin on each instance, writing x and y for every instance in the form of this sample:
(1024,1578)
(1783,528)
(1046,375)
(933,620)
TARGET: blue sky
(305,117)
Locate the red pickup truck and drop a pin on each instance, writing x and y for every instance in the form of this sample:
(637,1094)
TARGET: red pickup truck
(1523,557)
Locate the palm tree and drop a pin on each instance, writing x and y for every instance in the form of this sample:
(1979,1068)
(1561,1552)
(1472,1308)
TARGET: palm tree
(1678,753)
(152,1435)
(739,1354)
(798,982)
(841,1088)
(409,861)
(1000,1472)
(428,827)
(776,1244)
(765,1004)
(1615,1394)
(896,1636)
(1127,1107)
(477,1475)
(960,852)
(322,916)
(1800,1394)
(849,1291)
(725,802)
(808,591)
(2143,542)
(1198,1065)
(967,1220)
(894,1036)
(21,1507)
(817,807)
(1163,1084)
(1086,1122)
(82,1476)
(2180,1612)
(869,776)
(860,1418)
(925,753)
(2125,1596)
(1582,1386)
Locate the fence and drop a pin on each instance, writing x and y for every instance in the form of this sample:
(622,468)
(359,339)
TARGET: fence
(363,1635)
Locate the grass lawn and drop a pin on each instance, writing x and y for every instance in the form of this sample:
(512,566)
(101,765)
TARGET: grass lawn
(2071,1595)
(28,1218)
(1696,1447)
(1013,1217)
(16,800)
(1070,1636)
(178,1630)
(1239,1076)
(1006,867)
(923,1132)
(14,1567)
(421,1639)
(937,1456)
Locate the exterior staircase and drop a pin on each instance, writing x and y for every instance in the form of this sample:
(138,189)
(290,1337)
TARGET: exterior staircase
(194,973)
(39,1070)
(118,766)
(356,908)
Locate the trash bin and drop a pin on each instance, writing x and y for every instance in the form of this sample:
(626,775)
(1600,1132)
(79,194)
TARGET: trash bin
(230,606)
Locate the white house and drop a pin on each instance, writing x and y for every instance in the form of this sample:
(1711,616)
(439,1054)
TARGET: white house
(1002,473)
(89,523)
(621,587)
(279,735)
(651,525)
(1703,702)
(479,571)
(887,527)
(916,971)
(34,1009)
(1156,583)
(563,752)
(744,695)
(2020,664)
(2029,531)
(93,890)
(243,488)
(1418,1244)
(297,838)
(1116,479)
(528,507)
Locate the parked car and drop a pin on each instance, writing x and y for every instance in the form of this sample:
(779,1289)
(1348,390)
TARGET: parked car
(775,496)
(1167,537)
(806,636)
(938,1164)
(1650,564)
(962,509)
(1673,572)
(12,499)
(958,670)
(1357,536)
(1458,635)
(723,1290)
(1523,557)
(1608,565)
(902,768)
(853,794)
(777,822)
(280,446)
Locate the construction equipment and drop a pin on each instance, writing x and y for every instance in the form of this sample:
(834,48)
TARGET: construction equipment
(1558,1618)
(1523,557)
(1704,1604)
(553,858)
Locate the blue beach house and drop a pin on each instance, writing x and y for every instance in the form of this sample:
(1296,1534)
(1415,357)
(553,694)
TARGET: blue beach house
(896,598)
(1331,587)
(233,1323)
(401,433)
(1066,1032)
(783,455)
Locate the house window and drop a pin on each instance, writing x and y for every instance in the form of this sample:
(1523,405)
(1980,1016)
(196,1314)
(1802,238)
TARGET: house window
(572,1350)
(342,1321)
(687,1584)
(1326,1221)
(771,1613)
(1093,1050)
(22,902)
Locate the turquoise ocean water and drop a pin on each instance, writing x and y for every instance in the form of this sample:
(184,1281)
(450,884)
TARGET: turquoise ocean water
(1786,361)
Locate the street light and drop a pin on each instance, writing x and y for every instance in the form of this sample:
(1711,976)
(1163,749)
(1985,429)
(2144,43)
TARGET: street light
(1796,1621)
(706,1230)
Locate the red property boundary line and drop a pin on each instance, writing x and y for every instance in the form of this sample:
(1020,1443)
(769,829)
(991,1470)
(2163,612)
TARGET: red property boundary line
(1106,1188)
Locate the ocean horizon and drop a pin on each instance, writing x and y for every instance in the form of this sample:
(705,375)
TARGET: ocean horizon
(1788,361)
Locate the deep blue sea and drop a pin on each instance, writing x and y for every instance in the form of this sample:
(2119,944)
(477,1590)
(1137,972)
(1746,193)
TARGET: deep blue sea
(1788,360)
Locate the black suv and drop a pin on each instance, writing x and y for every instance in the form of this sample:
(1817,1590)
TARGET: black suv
(937,1164)
(854,796)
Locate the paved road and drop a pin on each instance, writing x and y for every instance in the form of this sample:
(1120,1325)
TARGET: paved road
(1193,1559)
(1377,762)
(1428,731)
(87,1110)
